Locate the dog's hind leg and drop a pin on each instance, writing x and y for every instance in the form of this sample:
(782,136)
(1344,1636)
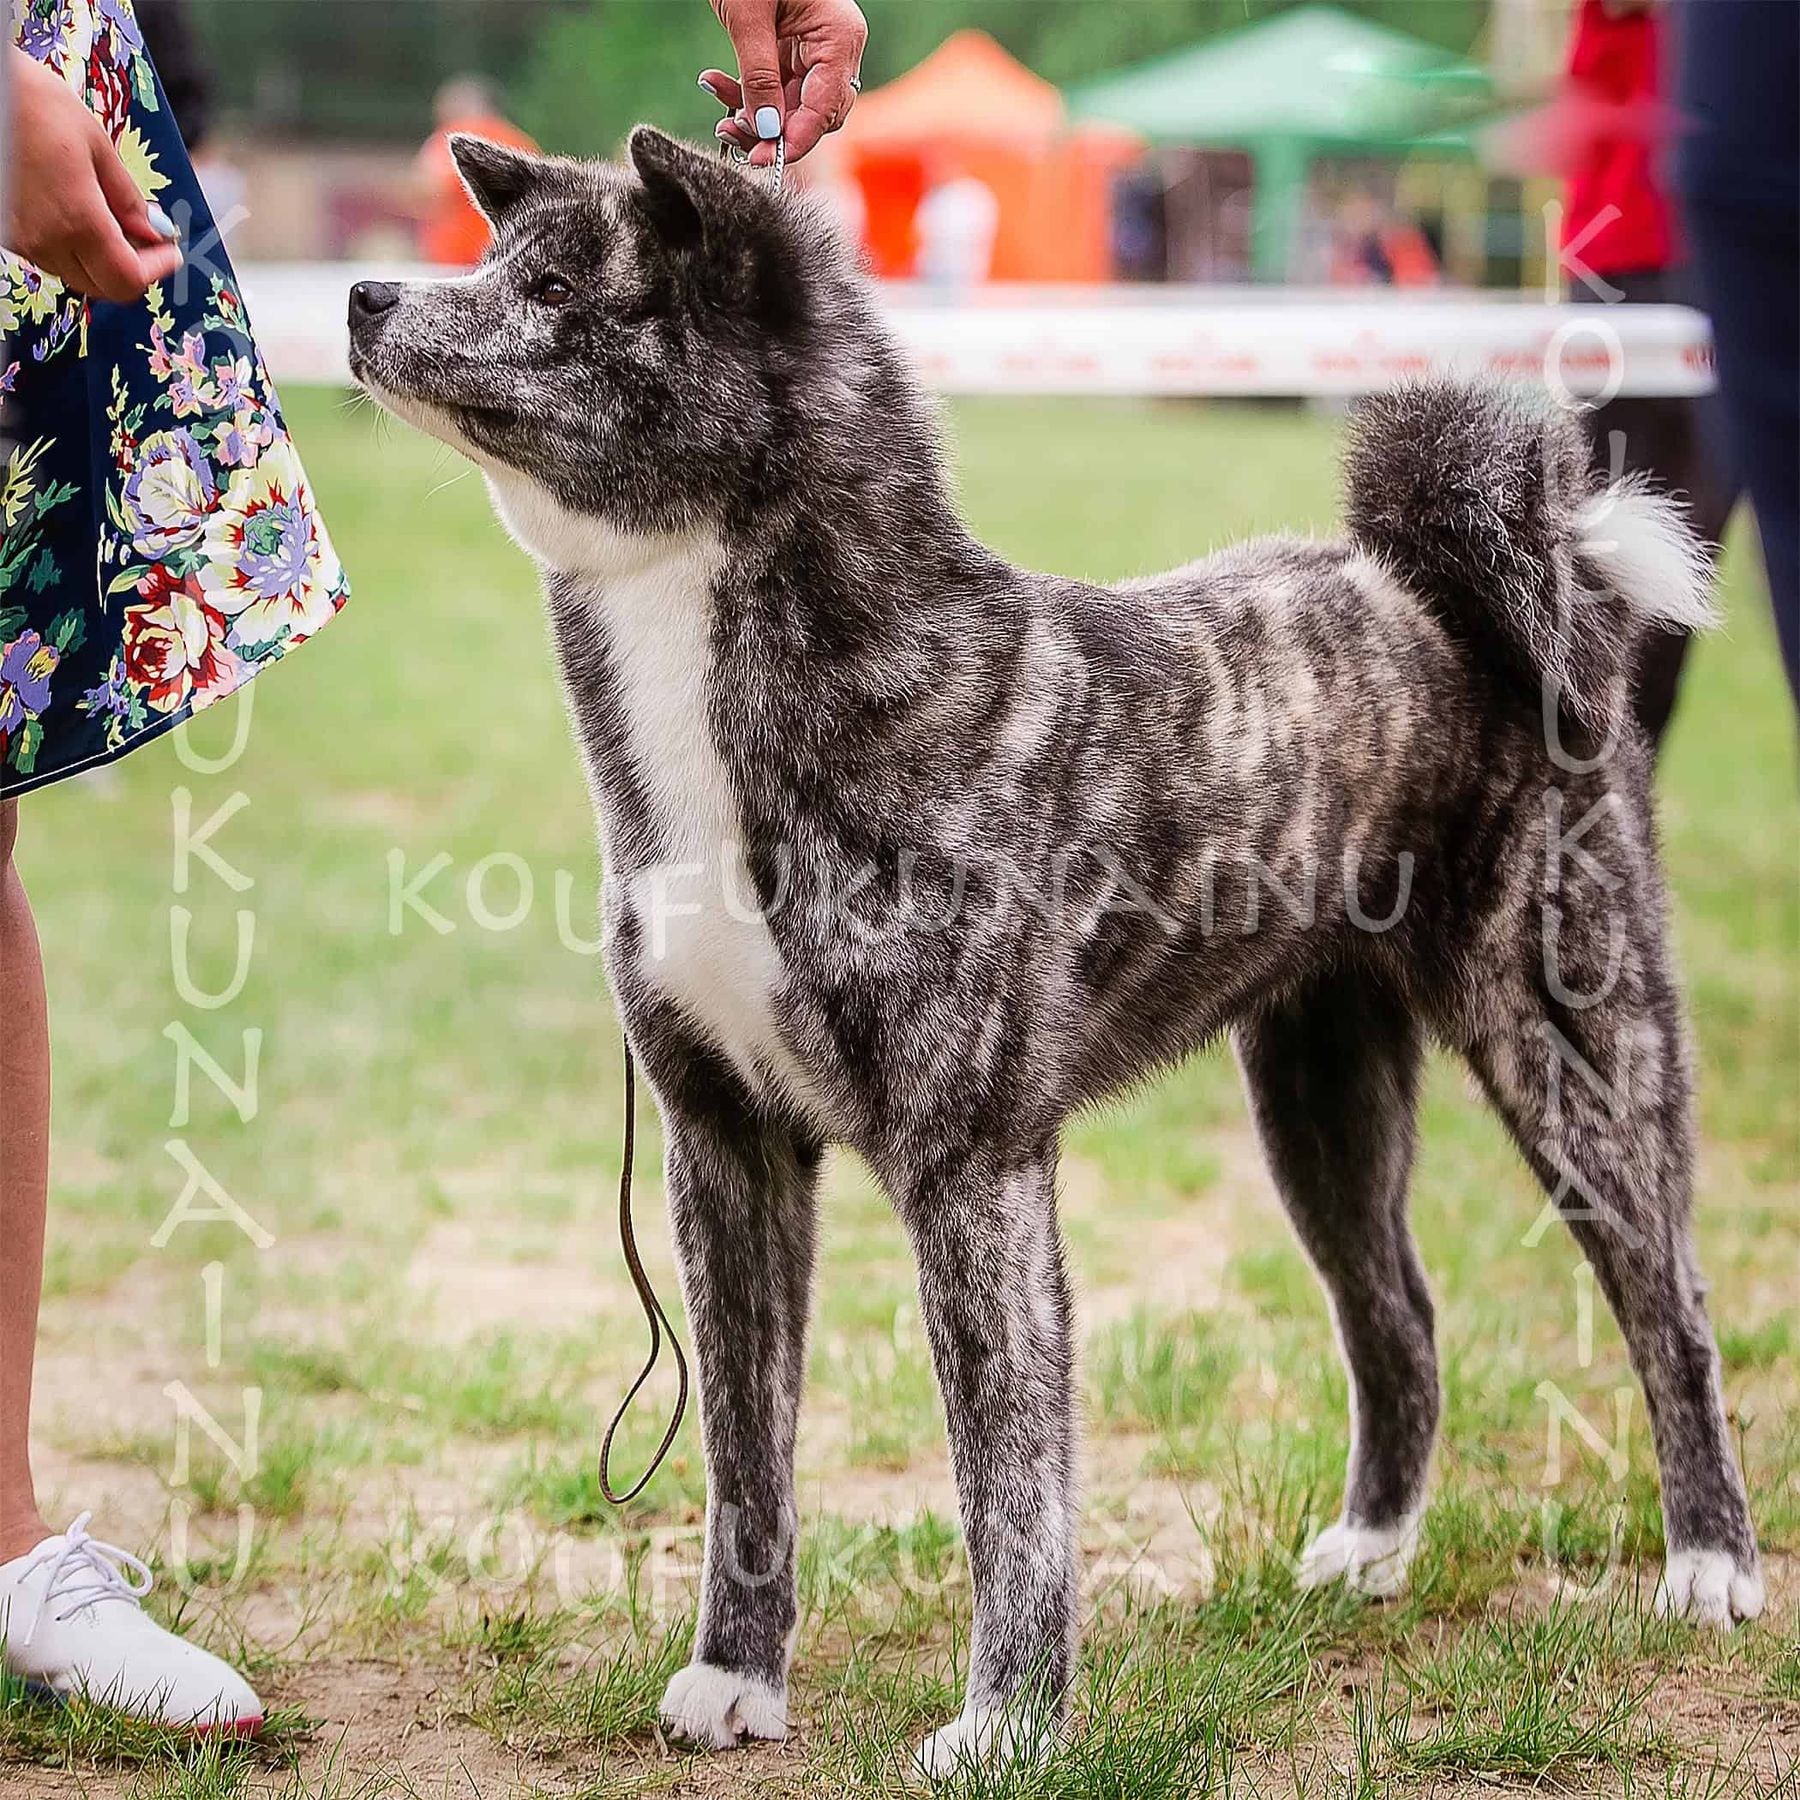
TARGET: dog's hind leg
(1332,1073)
(994,1294)
(742,1200)
(1584,1055)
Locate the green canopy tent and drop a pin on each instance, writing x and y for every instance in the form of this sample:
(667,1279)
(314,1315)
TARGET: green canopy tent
(1309,82)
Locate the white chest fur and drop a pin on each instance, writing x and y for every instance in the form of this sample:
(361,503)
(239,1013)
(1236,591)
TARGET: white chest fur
(704,943)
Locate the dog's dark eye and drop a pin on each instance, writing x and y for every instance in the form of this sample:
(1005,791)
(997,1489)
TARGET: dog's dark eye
(552,290)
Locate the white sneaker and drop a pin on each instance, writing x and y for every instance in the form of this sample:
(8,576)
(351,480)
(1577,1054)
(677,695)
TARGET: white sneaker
(72,1622)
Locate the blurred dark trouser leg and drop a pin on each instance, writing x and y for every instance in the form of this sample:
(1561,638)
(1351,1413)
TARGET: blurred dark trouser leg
(1737,171)
(1679,444)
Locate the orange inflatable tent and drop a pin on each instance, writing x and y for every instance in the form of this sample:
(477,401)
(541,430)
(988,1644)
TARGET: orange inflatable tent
(971,109)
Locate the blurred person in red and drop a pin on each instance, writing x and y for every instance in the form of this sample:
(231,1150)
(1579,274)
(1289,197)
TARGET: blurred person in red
(451,229)
(1621,244)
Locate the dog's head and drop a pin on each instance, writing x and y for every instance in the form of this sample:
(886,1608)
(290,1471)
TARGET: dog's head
(645,344)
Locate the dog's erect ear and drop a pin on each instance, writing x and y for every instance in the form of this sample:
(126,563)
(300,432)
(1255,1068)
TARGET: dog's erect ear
(724,231)
(678,186)
(497,177)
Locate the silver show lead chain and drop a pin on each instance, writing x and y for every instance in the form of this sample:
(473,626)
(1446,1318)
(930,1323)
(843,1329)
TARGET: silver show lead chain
(777,169)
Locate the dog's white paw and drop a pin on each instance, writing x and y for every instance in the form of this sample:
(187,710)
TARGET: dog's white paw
(982,1738)
(1366,1559)
(1708,1587)
(720,1708)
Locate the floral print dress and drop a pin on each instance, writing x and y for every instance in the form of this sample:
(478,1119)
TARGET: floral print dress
(159,544)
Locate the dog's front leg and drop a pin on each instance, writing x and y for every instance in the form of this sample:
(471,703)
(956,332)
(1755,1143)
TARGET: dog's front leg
(995,1297)
(742,1200)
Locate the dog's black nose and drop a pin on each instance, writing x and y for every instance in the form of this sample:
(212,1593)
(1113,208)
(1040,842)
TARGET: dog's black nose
(370,299)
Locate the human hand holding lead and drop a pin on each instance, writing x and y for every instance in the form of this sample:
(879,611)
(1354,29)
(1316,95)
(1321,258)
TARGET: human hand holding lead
(799,71)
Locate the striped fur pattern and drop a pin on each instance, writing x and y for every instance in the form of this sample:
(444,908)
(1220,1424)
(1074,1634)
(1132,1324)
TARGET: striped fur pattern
(913,850)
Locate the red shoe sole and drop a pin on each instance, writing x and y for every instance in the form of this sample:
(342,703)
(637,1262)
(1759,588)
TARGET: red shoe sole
(227,1728)
(230,1728)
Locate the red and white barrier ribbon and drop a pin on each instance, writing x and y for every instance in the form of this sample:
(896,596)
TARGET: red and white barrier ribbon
(1159,341)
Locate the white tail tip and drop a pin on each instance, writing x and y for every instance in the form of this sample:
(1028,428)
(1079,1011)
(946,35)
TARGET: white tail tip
(1641,545)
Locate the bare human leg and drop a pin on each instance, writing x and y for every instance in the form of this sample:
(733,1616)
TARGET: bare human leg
(24,1186)
(70,1619)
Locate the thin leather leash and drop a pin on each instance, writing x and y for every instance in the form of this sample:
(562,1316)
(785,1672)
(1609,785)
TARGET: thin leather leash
(654,1317)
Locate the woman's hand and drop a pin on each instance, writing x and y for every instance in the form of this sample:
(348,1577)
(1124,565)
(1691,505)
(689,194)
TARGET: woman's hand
(72,207)
(799,69)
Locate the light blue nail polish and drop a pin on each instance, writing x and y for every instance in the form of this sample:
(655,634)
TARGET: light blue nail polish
(706,87)
(163,225)
(768,123)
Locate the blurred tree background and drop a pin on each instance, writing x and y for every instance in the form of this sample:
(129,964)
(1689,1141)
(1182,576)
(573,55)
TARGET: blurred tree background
(578,73)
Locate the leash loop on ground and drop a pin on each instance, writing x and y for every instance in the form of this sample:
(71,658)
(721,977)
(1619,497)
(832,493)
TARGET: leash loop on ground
(654,1317)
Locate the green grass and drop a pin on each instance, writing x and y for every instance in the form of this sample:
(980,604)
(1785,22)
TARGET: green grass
(1527,1697)
(441,1325)
(548,1701)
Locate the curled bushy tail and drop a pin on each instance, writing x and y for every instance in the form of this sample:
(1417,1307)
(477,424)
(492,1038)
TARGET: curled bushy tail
(1486,504)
